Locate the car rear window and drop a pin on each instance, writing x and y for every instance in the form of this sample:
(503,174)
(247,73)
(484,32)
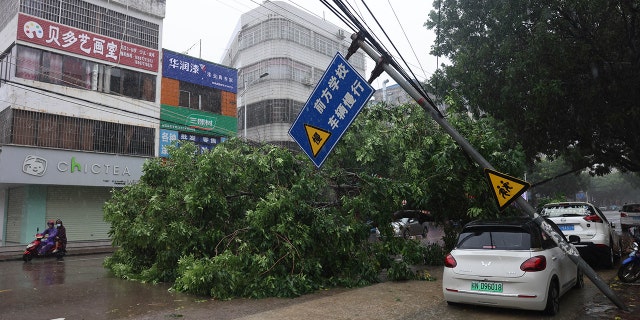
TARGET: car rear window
(631,207)
(503,239)
(565,211)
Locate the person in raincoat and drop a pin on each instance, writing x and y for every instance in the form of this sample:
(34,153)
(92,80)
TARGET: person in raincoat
(61,237)
(50,237)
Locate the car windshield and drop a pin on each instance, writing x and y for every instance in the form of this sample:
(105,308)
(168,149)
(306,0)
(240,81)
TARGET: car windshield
(565,211)
(507,239)
(631,208)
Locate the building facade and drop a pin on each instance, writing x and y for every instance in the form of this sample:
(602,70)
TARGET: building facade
(281,52)
(79,109)
(198,102)
(392,95)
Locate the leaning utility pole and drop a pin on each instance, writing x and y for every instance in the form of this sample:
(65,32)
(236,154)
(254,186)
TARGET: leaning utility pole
(569,249)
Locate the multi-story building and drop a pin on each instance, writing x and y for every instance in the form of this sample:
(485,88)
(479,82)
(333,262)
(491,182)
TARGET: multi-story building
(391,95)
(281,52)
(79,109)
(198,101)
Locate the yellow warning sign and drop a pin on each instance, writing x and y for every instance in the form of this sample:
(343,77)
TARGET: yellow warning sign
(317,138)
(505,188)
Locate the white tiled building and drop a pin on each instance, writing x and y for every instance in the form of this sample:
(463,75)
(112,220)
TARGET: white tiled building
(294,48)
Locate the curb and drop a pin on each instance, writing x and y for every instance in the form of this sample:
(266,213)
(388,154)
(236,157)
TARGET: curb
(14,252)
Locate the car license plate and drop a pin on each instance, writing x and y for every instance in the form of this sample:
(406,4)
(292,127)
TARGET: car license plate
(566,227)
(636,218)
(486,286)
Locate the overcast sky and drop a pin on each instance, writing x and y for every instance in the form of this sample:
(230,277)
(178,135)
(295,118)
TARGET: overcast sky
(211,22)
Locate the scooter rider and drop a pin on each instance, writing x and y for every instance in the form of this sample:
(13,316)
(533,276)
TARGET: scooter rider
(50,237)
(61,238)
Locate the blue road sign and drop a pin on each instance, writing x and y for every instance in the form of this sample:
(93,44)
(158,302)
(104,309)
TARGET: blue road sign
(334,104)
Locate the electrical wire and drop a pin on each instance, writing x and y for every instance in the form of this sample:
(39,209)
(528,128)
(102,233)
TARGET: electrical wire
(407,38)
(369,38)
(125,113)
(153,120)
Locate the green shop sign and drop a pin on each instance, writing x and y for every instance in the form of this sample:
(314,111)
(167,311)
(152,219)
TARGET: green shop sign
(196,121)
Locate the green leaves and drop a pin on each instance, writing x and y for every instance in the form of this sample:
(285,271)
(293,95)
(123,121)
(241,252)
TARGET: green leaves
(260,221)
(562,76)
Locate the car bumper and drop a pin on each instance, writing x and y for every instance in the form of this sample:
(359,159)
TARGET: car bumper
(593,253)
(518,293)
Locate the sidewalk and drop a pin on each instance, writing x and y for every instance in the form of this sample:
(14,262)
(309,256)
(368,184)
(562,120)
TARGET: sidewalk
(14,252)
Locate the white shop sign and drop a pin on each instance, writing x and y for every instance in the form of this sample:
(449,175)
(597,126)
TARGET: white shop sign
(25,165)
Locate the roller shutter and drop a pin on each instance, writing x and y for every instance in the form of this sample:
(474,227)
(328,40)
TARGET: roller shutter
(14,215)
(80,209)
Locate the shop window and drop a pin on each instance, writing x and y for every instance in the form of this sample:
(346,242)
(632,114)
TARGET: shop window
(28,64)
(51,68)
(76,72)
(35,64)
(131,83)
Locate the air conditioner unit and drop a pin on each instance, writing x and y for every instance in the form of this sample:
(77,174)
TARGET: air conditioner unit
(307,81)
(340,34)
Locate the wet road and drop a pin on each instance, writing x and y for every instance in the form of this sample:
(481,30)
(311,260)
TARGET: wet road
(76,288)
(80,288)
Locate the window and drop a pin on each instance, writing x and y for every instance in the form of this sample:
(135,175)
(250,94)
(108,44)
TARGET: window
(271,111)
(565,211)
(57,131)
(51,68)
(494,239)
(199,97)
(76,72)
(36,64)
(28,64)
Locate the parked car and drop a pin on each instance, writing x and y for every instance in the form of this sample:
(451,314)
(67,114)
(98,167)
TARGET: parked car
(509,263)
(630,216)
(599,243)
(409,227)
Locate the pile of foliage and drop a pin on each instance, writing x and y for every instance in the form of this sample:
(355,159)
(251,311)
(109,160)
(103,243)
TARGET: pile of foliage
(262,221)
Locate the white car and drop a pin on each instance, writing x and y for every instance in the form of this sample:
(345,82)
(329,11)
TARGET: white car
(599,243)
(410,227)
(509,263)
(630,216)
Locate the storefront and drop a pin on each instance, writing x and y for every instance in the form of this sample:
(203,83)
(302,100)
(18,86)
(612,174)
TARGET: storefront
(42,184)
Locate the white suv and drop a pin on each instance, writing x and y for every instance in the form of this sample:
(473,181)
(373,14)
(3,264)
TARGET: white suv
(598,239)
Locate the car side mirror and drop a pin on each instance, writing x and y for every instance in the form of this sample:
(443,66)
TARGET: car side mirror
(573,239)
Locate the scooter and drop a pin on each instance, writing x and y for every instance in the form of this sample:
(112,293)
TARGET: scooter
(630,269)
(32,249)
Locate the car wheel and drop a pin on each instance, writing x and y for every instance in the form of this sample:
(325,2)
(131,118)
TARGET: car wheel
(425,230)
(619,251)
(579,279)
(610,259)
(553,299)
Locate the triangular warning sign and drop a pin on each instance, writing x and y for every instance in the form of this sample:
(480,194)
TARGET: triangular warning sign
(317,138)
(505,188)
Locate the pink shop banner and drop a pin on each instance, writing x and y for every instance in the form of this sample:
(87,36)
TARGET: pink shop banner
(65,38)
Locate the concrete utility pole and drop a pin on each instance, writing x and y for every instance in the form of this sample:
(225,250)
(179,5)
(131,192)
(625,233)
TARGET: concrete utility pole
(569,249)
